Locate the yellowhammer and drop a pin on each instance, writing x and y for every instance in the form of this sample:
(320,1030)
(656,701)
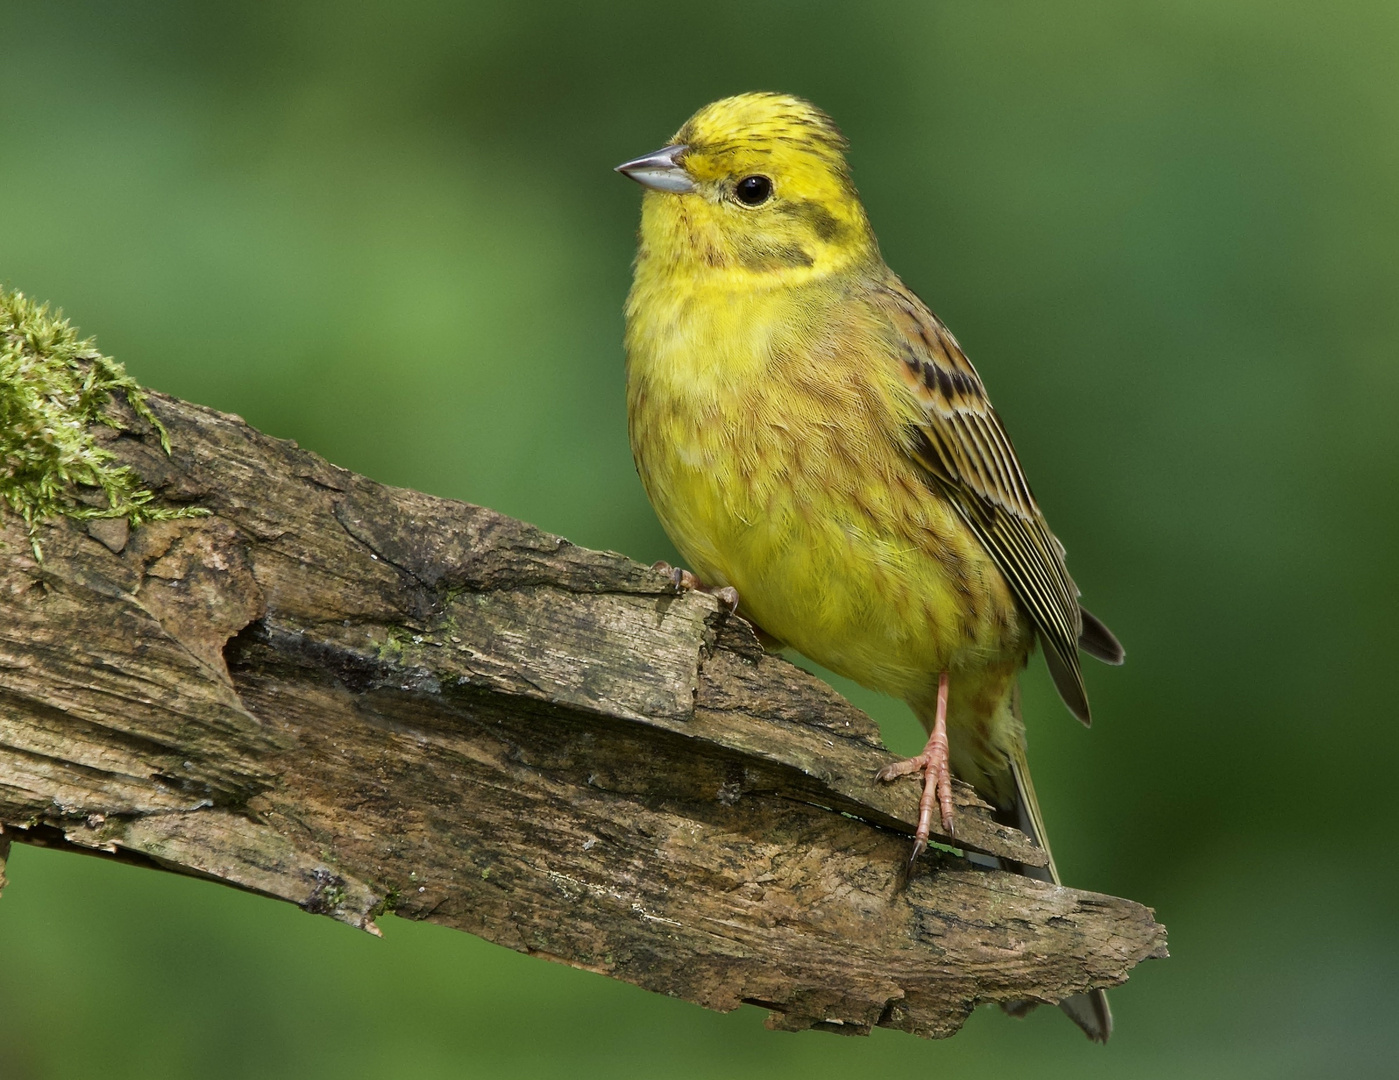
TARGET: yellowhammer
(812,437)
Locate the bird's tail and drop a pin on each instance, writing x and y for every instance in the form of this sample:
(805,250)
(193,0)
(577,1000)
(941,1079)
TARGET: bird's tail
(1089,1011)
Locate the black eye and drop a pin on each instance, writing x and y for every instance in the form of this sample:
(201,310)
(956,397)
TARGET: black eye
(752,190)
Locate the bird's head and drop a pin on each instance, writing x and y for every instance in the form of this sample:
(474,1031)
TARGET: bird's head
(753,186)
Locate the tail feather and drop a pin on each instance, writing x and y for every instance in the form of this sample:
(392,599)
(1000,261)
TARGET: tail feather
(1068,679)
(1089,1011)
(1098,641)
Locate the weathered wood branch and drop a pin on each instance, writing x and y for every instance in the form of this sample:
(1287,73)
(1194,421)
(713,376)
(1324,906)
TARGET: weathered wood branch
(359,698)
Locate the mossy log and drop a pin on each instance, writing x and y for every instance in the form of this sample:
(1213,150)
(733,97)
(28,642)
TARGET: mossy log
(363,699)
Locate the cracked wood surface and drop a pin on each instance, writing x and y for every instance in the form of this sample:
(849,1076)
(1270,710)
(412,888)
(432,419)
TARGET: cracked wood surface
(359,698)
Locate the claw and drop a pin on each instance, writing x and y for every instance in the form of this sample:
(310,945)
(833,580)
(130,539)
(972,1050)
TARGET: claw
(937,777)
(684,581)
(680,580)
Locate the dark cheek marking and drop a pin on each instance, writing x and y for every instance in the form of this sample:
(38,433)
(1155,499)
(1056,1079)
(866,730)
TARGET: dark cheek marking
(794,255)
(827,227)
(775,258)
(814,216)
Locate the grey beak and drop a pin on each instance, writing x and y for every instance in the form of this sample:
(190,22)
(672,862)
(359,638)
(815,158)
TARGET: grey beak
(660,170)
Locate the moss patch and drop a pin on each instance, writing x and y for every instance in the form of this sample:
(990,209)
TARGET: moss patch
(54,387)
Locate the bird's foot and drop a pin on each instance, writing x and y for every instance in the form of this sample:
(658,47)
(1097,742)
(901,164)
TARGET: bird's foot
(937,777)
(684,581)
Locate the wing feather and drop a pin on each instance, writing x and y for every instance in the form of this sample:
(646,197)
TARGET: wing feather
(968,457)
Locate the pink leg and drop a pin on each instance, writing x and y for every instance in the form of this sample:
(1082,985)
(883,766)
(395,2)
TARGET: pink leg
(937,776)
(684,581)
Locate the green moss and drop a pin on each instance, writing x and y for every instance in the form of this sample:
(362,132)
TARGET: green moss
(54,387)
(396,644)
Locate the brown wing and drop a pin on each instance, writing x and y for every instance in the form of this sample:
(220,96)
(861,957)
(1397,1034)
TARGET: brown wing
(970,460)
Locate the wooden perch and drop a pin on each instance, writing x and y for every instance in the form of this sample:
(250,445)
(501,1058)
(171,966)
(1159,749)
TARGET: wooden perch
(359,698)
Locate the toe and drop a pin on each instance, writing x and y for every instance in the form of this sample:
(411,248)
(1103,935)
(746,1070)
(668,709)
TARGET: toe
(945,802)
(676,575)
(896,769)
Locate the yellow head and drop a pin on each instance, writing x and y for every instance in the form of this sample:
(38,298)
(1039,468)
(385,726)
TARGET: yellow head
(753,186)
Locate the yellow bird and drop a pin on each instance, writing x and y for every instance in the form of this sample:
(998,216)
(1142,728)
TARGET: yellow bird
(813,438)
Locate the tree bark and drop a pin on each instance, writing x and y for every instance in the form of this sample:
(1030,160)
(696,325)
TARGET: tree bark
(362,699)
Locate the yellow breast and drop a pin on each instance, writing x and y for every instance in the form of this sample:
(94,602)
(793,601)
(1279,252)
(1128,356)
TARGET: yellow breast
(768,427)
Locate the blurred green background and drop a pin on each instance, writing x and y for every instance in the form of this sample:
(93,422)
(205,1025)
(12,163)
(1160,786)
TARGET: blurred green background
(1166,232)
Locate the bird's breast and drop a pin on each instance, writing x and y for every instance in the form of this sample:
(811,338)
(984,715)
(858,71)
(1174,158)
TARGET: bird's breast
(768,439)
